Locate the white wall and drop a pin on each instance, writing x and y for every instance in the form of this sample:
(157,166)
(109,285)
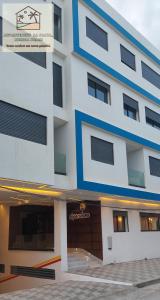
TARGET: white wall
(112,56)
(112,114)
(95,171)
(28,86)
(117,174)
(152,182)
(135,160)
(130,245)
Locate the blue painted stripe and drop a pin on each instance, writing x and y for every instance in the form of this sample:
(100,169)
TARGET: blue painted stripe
(116,130)
(116,190)
(116,75)
(120,29)
(75,24)
(99,63)
(81,118)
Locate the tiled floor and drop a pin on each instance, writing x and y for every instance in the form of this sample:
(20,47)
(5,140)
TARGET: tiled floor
(131,272)
(73,290)
(70,290)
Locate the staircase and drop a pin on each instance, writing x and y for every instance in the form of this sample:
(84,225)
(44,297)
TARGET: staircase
(81,259)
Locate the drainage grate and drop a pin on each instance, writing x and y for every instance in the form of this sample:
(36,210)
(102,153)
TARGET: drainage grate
(33,272)
(2,268)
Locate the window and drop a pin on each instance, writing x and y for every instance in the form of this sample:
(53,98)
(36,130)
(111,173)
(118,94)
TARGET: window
(23,124)
(152,118)
(31,228)
(150,75)
(57,85)
(96,34)
(102,151)
(38,58)
(98,89)
(130,107)
(57,23)
(0,31)
(128,58)
(154,166)
(150,222)
(120,221)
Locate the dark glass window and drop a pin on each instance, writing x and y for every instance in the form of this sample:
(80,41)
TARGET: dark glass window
(128,58)
(38,58)
(57,23)
(31,227)
(154,166)
(102,151)
(57,85)
(150,222)
(130,112)
(150,75)
(96,34)
(0,31)
(120,221)
(23,124)
(98,89)
(152,118)
(130,107)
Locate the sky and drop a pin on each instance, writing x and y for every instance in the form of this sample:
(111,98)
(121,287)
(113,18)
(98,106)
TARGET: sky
(144,15)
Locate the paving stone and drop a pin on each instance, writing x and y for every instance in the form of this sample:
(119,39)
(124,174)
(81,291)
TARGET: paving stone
(134,272)
(65,291)
(131,272)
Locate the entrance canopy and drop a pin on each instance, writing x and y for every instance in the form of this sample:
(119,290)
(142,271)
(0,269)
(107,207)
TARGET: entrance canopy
(22,192)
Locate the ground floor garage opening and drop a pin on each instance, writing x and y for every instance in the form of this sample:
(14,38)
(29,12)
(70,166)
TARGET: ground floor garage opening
(29,253)
(84,229)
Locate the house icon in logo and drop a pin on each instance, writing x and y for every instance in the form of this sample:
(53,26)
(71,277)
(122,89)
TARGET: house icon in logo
(28,19)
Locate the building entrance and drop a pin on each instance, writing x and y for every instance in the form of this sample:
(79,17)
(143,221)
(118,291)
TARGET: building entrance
(84,226)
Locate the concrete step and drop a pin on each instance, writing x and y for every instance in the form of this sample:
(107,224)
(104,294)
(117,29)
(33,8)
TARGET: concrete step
(80,259)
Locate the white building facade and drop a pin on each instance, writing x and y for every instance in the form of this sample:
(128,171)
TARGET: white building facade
(80,147)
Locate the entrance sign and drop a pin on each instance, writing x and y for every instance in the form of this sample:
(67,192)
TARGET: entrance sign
(28,28)
(78,216)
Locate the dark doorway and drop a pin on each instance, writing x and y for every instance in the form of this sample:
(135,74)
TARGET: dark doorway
(84,227)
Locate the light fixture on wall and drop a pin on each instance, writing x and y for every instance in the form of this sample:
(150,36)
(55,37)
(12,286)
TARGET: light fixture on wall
(82,206)
(120,219)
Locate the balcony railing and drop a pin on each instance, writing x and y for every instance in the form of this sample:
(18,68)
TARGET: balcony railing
(60,163)
(136,178)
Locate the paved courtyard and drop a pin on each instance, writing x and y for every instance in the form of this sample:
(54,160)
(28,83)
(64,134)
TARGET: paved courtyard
(136,272)
(131,272)
(67,291)
(74,290)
